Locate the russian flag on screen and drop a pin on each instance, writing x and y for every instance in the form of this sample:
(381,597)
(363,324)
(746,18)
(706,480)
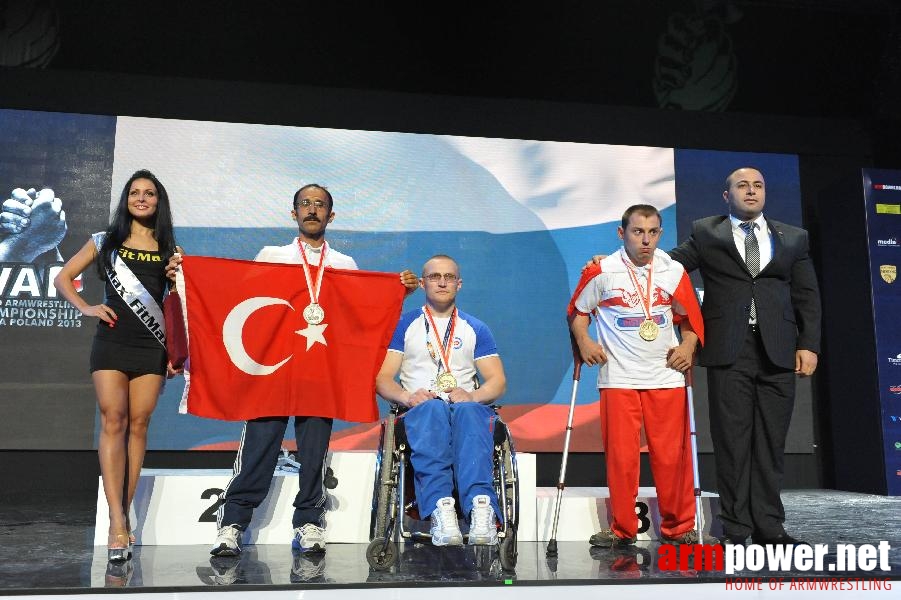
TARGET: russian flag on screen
(521,218)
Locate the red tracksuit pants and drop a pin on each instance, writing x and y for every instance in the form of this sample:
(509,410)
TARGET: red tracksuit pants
(665,416)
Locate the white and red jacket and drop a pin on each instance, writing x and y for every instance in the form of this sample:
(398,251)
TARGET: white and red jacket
(609,293)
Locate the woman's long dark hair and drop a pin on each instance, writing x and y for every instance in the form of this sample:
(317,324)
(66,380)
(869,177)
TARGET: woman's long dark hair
(120,227)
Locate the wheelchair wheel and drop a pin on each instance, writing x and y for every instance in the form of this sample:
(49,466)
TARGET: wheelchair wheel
(507,551)
(512,483)
(386,484)
(381,554)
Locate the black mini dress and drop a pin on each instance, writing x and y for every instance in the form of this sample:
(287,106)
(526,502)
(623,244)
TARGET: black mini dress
(129,346)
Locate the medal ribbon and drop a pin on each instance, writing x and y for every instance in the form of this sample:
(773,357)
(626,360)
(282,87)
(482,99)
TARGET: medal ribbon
(314,292)
(645,303)
(444,347)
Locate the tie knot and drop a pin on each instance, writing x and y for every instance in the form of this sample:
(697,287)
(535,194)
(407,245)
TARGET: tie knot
(748,227)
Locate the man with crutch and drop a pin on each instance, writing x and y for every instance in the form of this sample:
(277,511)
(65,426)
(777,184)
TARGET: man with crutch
(638,296)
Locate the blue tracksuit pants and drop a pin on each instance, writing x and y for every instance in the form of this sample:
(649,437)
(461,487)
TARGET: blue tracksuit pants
(452,447)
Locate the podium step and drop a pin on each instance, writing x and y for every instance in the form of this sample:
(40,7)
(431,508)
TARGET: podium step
(178,506)
(585,510)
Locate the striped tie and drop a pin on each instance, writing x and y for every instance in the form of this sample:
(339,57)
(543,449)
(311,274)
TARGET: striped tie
(752,258)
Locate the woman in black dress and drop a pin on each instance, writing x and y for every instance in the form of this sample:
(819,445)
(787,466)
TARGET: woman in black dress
(128,357)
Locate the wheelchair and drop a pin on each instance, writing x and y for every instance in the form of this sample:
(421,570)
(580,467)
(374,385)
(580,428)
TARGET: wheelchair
(395,515)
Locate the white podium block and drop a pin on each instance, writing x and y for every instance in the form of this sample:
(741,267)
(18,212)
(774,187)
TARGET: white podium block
(586,510)
(178,506)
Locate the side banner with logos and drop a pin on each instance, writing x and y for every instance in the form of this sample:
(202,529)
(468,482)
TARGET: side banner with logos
(882,193)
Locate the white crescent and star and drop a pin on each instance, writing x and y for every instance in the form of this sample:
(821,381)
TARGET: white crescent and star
(314,334)
(233,327)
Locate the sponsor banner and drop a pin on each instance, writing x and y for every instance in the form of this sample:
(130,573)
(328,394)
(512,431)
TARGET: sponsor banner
(882,191)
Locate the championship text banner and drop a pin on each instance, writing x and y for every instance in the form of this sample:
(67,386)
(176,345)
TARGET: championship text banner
(252,353)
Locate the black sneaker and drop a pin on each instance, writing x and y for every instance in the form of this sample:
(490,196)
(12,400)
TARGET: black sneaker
(783,539)
(732,540)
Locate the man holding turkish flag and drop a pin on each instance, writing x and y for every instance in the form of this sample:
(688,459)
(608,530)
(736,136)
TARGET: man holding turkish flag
(300,332)
(253,354)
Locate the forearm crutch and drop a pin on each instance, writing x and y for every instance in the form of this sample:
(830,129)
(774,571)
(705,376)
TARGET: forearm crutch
(577,368)
(699,509)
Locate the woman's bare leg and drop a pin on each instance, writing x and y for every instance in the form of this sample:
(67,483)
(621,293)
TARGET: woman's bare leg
(143,394)
(112,388)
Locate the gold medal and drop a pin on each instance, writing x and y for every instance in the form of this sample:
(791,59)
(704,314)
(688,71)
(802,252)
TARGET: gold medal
(313,314)
(648,330)
(446,382)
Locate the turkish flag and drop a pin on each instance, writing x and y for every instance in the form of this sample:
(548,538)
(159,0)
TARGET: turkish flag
(252,354)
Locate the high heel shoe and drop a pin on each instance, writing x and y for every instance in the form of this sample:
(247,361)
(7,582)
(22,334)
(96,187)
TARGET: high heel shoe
(118,548)
(131,533)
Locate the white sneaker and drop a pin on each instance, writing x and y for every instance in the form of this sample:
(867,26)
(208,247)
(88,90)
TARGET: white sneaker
(228,541)
(309,539)
(445,529)
(482,523)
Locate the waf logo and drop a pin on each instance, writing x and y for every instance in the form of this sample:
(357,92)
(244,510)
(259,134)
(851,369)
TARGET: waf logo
(888,273)
(895,389)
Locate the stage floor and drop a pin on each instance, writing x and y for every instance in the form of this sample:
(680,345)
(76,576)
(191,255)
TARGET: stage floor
(46,547)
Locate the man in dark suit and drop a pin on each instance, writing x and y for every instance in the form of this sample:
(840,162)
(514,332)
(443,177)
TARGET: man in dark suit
(762,319)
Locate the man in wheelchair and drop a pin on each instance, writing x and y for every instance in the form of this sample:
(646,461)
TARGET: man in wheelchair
(440,353)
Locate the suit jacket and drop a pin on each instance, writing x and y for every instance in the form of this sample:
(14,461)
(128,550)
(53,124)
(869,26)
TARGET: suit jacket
(785,291)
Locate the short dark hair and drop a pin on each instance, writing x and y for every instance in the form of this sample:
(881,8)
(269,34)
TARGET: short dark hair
(331,203)
(645,210)
(727,183)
